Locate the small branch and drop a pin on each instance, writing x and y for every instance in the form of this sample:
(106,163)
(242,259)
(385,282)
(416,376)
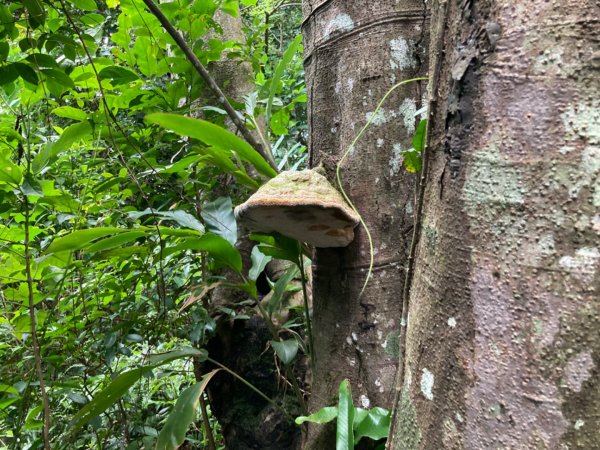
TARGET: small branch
(214,87)
(34,340)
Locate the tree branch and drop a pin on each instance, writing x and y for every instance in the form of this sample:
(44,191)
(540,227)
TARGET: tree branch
(193,59)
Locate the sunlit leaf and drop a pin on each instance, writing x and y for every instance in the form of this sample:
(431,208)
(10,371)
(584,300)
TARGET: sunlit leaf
(281,66)
(344,439)
(212,134)
(418,141)
(259,262)
(81,238)
(374,424)
(324,415)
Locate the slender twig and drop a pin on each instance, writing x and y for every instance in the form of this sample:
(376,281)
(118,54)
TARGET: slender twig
(34,339)
(207,429)
(214,87)
(311,341)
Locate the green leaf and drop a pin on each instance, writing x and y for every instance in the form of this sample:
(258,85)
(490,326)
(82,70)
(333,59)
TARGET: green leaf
(282,285)
(115,241)
(280,121)
(71,134)
(81,238)
(86,5)
(219,218)
(182,415)
(418,141)
(26,72)
(4,49)
(59,76)
(278,246)
(186,352)
(35,9)
(216,246)
(286,350)
(181,217)
(285,61)
(375,424)
(8,74)
(344,439)
(324,415)
(68,112)
(259,262)
(412,161)
(10,172)
(118,75)
(106,398)
(121,384)
(212,134)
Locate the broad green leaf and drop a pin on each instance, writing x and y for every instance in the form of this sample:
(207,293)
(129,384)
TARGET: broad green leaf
(120,385)
(115,241)
(8,74)
(181,217)
(71,134)
(278,246)
(68,112)
(324,415)
(286,350)
(81,238)
(285,61)
(212,134)
(118,75)
(106,398)
(26,72)
(282,285)
(375,424)
(40,60)
(344,438)
(36,12)
(4,49)
(216,246)
(59,76)
(418,141)
(280,121)
(412,161)
(219,219)
(259,262)
(163,358)
(86,5)
(10,172)
(182,415)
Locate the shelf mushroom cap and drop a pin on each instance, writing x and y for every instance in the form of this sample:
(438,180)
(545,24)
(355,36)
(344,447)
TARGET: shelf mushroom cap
(302,205)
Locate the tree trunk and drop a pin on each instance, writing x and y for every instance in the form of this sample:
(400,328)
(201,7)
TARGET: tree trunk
(503,347)
(354,52)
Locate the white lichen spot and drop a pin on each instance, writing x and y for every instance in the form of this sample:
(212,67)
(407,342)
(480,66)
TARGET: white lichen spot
(352,362)
(364,401)
(583,120)
(378,118)
(451,322)
(380,142)
(401,51)
(333,130)
(337,325)
(408,110)
(578,370)
(596,221)
(583,265)
(578,424)
(396,160)
(590,159)
(354,337)
(546,245)
(427,384)
(459,417)
(409,208)
(348,340)
(349,84)
(338,87)
(341,22)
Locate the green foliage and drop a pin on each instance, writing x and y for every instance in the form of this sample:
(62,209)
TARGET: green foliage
(352,423)
(110,223)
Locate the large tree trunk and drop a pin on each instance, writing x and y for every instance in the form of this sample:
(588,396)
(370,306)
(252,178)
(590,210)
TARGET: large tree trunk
(503,341)
(354,52)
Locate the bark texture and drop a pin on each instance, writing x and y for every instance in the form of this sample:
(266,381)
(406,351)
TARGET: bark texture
(503,348)
(354,52)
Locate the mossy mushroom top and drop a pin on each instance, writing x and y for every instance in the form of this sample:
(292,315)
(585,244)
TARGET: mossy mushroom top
(302,205)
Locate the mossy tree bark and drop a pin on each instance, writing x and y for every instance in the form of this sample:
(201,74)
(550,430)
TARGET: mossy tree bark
(354,52)
(502,347)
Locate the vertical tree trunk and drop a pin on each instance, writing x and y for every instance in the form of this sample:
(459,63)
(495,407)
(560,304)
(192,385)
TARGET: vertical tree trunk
(354,52)
(503,347)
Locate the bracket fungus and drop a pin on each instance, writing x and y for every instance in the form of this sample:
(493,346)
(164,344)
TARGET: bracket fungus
(302,205)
